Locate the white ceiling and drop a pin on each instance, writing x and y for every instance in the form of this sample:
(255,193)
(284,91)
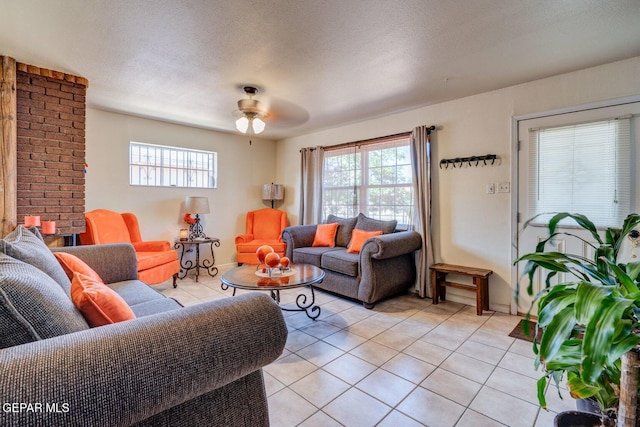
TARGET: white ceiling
(319,63)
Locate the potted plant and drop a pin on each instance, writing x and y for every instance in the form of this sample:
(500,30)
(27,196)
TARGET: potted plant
(589,323)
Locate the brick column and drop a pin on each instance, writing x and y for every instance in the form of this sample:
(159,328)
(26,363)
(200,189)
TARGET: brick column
(51,147)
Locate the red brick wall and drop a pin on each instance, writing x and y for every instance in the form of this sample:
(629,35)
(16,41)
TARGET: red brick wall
(51,147)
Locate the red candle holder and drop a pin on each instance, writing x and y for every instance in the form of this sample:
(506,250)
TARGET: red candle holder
(32,221)
(48,227)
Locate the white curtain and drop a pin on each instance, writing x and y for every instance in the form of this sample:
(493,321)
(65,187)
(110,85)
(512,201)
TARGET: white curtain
(311,185)
(421,163)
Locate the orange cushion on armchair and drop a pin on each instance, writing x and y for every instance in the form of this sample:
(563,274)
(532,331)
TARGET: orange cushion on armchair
(157,261)
(264,227)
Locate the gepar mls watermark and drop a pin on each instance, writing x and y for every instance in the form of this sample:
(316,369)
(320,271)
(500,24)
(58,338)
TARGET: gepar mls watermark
(35,407)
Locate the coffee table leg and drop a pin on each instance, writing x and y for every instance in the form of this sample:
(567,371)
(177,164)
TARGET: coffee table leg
(224,287)
(312,311)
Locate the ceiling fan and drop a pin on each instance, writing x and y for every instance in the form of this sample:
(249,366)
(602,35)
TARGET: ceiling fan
(251,113)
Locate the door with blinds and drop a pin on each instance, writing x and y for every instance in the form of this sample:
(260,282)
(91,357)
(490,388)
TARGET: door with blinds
(583,162)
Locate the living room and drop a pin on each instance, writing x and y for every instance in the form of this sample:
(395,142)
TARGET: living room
(470,226)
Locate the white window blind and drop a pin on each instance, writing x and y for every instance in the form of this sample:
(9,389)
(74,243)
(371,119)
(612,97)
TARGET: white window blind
(374,178)
(582,168)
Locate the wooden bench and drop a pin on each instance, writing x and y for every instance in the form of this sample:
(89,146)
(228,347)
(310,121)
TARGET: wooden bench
(480,283)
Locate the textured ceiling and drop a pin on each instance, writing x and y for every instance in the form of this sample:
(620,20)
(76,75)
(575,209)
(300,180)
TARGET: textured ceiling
(319,63)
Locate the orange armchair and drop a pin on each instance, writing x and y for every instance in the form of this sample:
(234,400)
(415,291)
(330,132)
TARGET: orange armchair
(156,260)
(264,227)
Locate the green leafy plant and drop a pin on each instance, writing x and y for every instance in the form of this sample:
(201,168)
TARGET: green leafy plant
(586,324)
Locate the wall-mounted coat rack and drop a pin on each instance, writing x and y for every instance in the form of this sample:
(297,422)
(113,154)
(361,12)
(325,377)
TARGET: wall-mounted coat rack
(458,162)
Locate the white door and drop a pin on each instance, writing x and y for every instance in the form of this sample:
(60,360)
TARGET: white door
(528,238)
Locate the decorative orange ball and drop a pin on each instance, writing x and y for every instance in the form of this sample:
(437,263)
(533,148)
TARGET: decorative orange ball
(263,251)
(272,259)
(285,261)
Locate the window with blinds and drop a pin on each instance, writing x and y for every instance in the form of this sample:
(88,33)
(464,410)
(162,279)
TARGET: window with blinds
(163,166)
(372,177)
(581,168)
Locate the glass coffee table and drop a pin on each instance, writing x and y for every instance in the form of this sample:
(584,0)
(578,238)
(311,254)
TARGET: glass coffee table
(299,275)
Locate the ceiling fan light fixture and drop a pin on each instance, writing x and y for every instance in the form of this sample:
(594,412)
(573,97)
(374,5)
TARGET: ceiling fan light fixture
(242,124)
(252,113)
(258,125)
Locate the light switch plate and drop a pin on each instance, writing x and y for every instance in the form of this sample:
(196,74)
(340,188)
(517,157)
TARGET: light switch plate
(491,188)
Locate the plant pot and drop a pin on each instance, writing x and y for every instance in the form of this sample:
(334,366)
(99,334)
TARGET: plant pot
(578,419)
(588,405)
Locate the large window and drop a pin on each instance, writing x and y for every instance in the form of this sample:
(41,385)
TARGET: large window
(581,168)
(162,166)
(374,178)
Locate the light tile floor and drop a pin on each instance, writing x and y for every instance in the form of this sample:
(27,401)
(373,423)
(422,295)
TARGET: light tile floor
(404,363)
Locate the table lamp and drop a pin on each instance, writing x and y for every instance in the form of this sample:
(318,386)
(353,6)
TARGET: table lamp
(197,206)
(273,192)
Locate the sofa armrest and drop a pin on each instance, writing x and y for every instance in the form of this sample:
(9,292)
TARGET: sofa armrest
(391,245)
(298,236)
(114,262)
(124,373)
(152,246)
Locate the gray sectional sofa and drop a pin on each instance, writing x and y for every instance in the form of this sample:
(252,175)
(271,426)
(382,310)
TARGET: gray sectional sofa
(171,366)
(384,267)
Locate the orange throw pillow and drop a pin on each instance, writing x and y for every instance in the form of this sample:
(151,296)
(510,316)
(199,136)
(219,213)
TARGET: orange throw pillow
(326,235)
(72,264)
(358,237)
(99,304)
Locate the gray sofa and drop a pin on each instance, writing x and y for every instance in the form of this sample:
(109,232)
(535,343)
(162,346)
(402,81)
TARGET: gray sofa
(171,366)
(384,267)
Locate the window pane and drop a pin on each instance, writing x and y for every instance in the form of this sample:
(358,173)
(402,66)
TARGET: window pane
(157,165)
(381,189)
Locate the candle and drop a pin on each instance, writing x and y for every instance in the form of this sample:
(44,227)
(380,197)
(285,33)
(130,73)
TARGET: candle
(32,221)
(48,227)
(184,234)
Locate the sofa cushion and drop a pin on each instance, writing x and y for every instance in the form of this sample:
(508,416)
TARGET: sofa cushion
(358,237)
(155,306)
(135,292)
(32,305)
(26,246)
(341,261)
(98,303)
(72,264)
(311,255)
(325,235)
(345,227)
(370,224)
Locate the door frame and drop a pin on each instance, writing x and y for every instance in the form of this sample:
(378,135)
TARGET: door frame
(515,161)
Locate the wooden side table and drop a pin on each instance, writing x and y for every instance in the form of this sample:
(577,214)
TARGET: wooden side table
(188,246)
(59,240)
(480,283)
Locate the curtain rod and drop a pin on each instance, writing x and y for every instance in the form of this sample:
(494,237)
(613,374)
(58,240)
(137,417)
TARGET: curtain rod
(370,141)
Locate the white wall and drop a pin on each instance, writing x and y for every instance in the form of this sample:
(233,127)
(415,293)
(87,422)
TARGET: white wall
(471,227)
(242,169)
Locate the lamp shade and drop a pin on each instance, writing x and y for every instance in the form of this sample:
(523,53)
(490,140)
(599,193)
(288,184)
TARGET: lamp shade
(197,205)
(273,192)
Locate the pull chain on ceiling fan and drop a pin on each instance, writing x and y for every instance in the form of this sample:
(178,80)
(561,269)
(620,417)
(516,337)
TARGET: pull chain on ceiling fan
(252,113)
